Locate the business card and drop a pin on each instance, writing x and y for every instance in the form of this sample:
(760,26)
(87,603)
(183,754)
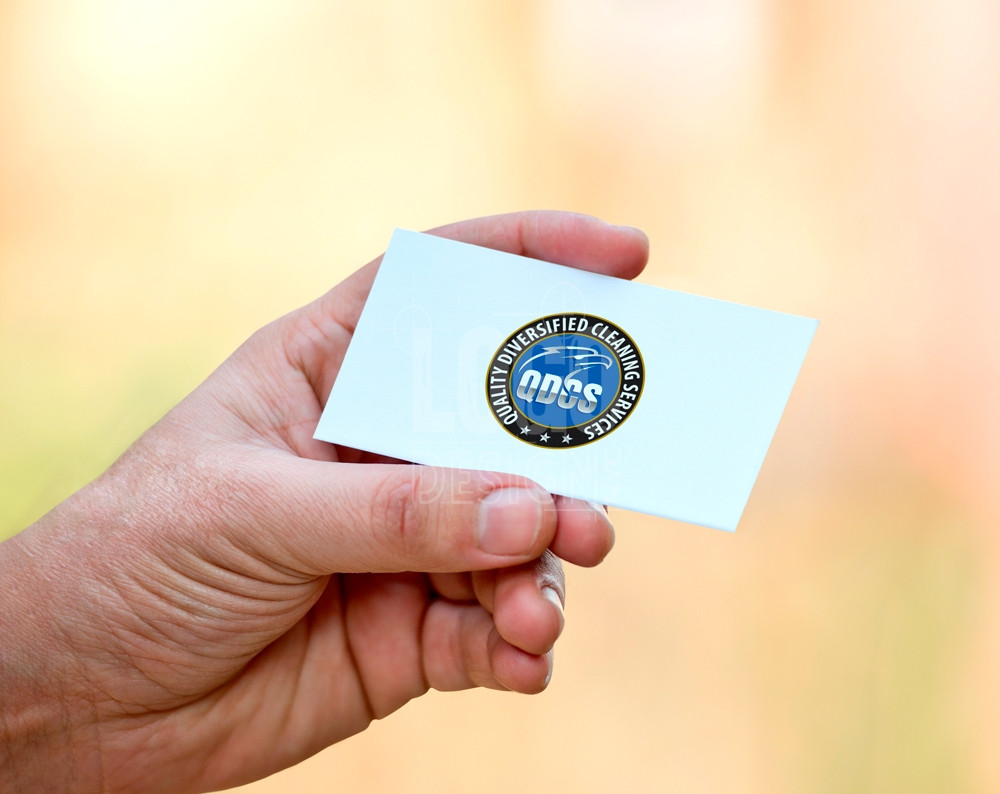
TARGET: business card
(595,387)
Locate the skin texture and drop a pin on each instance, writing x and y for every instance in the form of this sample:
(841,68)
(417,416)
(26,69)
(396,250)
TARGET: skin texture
(233,596)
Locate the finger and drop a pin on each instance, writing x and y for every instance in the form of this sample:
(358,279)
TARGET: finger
(383,617)
(453,586)
(584,535)
(566,238)
(527,604)
(317,335)
(456,641)
(519,671)
(462,649)
(319,517)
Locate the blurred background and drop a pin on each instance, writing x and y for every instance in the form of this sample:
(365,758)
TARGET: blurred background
(174,175)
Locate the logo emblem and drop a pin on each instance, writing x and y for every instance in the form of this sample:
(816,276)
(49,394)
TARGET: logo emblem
(564,380)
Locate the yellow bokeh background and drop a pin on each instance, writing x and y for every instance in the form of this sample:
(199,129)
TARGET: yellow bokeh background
(174,175)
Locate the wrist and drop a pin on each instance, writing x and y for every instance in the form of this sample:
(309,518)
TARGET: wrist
(48,730)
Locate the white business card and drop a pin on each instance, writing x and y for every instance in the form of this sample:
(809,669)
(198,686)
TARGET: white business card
(595,387)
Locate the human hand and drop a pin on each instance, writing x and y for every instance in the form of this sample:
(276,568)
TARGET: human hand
(233,596)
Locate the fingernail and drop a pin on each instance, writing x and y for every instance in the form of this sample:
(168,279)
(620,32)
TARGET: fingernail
(632,230)
(509,521)
(548,676)
(550,594)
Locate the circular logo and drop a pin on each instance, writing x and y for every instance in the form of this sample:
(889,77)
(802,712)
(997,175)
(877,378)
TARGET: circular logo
(564,380)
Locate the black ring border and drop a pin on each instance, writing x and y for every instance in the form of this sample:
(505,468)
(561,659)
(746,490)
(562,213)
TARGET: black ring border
(631,341)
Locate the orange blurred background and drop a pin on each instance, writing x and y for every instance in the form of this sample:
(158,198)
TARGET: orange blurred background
(174,175)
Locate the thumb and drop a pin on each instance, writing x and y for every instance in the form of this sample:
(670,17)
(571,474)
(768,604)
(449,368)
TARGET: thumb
(320,517)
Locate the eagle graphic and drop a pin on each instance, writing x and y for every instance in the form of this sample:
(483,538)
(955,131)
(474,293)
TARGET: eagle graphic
(582,357)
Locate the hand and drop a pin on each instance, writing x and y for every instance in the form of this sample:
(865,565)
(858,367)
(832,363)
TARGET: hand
(233,595)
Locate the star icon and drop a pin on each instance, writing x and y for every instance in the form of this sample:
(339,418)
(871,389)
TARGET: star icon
(524,430)
(566,438)
(544,437)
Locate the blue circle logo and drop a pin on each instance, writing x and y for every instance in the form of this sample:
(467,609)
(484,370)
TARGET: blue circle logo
(564,380)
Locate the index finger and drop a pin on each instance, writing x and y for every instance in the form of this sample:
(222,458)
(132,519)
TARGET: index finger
(564,238)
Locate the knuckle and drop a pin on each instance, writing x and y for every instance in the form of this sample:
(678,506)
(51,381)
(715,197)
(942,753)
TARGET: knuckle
(399,516)
(550,569)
